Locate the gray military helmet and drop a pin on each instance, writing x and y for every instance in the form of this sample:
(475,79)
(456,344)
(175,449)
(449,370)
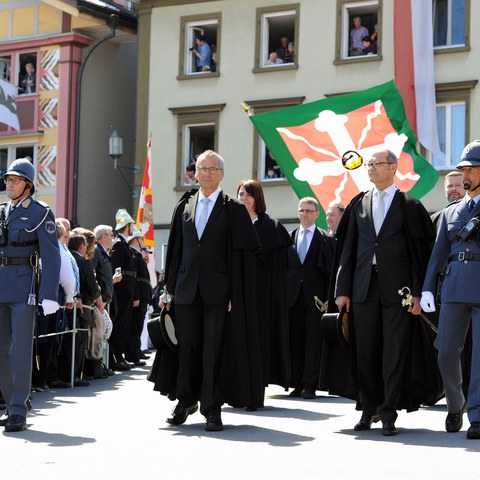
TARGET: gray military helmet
(22,167)
(470,155)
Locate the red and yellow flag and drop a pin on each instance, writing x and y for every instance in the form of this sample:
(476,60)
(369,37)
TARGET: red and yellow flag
(145,214)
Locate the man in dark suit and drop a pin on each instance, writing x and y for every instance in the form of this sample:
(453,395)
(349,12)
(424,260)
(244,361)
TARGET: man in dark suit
(455,258)
(377,259)
(211,235)
(309,267)
(121,257)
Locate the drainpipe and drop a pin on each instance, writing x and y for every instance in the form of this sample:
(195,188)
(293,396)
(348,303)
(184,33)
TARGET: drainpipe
(113,26)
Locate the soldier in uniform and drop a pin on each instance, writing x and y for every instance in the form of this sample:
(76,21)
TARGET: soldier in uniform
(122,258)
(28,232)
(455,260)
(143,293)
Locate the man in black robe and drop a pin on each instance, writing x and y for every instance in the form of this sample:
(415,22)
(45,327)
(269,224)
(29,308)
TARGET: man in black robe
(210,278)
(385,243)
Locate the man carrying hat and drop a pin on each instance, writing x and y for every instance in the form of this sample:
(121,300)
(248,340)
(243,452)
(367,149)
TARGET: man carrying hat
(210,278)
(455,260)
(121,257)
(28,232)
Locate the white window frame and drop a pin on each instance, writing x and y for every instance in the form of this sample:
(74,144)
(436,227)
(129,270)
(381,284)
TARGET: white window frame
(11,156)
(265,34)
(449,43)
(261,165)
(185,159)
(448,134)
(345,27)
(191,28)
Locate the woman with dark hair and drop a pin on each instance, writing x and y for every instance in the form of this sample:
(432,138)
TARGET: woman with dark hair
(271,285)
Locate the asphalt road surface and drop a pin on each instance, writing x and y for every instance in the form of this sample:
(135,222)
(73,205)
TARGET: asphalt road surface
(115,429)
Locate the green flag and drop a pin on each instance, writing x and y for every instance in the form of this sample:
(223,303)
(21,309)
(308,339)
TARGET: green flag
(308,143)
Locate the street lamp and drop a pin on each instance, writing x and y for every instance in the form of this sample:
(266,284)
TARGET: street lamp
(115,150)
(115,147)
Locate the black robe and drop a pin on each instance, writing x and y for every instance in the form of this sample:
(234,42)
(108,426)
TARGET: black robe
(271,300)
(240,377)
(422,380)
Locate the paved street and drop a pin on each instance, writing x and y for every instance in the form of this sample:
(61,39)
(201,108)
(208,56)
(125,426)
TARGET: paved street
(116,429)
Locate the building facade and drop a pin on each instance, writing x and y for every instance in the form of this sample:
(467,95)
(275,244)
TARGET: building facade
(192,106)
(42,47)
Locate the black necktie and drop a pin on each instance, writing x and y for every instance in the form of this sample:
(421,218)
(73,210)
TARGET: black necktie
(471,204)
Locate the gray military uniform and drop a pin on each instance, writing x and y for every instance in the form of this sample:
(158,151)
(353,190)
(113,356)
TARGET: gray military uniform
(458,262)
(31,228)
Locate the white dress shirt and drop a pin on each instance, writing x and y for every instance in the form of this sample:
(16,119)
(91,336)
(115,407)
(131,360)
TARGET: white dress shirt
(213,198)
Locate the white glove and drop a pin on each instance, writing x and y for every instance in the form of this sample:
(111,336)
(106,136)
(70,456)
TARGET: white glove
(49,306)
(149,309)
(427,302)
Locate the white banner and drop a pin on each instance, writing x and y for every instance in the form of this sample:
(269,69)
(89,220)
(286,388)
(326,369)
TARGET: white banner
(8,105)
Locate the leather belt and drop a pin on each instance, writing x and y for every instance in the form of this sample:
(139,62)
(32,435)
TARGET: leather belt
(129,273)
(4,261)
(464,256)
(23,244)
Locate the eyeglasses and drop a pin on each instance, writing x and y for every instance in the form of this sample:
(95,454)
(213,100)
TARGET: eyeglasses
(14,180)
(305,210)
(375,165)
(210,170)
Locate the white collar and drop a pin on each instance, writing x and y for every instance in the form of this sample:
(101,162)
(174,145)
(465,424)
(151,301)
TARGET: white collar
(311,228)
(212,197)
(390,191)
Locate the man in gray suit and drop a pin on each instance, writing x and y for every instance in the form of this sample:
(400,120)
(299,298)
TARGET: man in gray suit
(455,260)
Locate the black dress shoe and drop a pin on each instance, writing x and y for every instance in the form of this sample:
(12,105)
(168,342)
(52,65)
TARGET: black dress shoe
(309,393)
(180,414)
(454,421)
(121,367)
(365,422)
(59,384)
(473,432)
(16,423)
(80,383)
(4,419)
(142,356)
(214,423)
(296,392)
(389,429)
(140,363)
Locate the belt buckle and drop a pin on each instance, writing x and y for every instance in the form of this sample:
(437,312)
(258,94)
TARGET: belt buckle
(4,261)
(461,256)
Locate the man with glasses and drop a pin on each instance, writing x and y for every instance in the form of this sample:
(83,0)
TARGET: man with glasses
(309,268)
(28,231)
(455,259)
(385,238)
(209,276)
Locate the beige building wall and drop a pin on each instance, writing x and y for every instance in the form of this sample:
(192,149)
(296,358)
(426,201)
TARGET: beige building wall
(316,76)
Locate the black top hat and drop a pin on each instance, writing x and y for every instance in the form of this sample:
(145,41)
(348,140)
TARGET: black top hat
(335,328)
(162,330)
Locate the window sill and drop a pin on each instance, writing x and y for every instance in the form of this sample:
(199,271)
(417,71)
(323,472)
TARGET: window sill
(275,68)
(280,182)
(453,49)
(444,169)
(359,59)
(195,76)
(185,188)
